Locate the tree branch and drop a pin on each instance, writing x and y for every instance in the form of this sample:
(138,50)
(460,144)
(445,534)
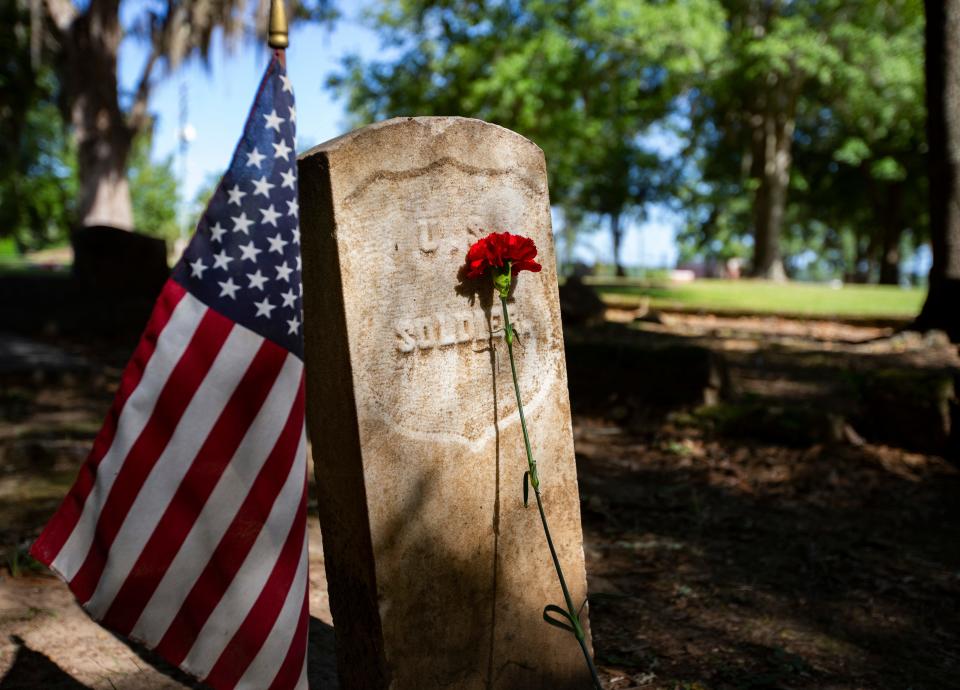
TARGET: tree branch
(62,12)
(106,10)
(159,44)
(138,111)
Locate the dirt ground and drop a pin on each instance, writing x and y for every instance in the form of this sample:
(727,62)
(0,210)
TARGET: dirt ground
(715,561)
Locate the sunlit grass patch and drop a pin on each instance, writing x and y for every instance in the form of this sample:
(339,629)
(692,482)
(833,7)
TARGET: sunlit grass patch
(811,299)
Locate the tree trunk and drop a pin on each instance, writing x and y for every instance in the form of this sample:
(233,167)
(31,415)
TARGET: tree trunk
(892,228)
(772,140)
(853,271)
(890,257)
(569,243)
(616,234)
(942,65)
(103,135)
(104,194)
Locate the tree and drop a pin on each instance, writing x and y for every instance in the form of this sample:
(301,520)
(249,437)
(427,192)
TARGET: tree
(942,68)
(747,109)
(153,191)
(860,156)
(585,81)
(38,163)
(38,175)
(86,38)
(830,82)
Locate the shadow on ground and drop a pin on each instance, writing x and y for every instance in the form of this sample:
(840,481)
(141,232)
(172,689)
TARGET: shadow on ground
(33,670)
(806,560)
(754,566)
(758,540)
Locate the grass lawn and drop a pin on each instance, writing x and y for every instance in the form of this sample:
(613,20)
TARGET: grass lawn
(811,299)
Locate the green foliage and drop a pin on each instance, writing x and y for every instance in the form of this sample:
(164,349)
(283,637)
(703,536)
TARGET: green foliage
(585,81)
(36,201)
(38,182)
(849,76)
(600,85)
(153,190)
(38,162)
(202,198)
(37,165)
(20,562)
(863,156)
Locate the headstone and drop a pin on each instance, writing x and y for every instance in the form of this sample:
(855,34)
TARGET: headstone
(580,305)
(110,260)
(437,574)
(117,275)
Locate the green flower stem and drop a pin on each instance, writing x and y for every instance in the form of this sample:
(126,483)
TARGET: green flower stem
(572,614)
(508,335)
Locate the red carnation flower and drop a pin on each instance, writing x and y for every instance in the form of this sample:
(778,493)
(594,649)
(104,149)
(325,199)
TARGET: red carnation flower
(499,249)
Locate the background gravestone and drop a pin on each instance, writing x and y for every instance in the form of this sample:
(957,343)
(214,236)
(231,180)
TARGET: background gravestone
(437,573)
(117,276)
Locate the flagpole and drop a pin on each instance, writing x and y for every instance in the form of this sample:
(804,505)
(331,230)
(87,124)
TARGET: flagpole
(278,36)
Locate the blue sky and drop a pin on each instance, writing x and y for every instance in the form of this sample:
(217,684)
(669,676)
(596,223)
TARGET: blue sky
(218,97)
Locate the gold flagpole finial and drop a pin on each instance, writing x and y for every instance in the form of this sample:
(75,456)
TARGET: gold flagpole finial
(278,36)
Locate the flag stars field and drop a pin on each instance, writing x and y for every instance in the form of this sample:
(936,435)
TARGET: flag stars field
(257,201)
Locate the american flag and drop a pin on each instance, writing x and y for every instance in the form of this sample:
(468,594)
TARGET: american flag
(186,528)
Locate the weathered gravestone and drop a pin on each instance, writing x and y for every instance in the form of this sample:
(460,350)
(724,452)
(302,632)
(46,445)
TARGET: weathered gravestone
(437,573)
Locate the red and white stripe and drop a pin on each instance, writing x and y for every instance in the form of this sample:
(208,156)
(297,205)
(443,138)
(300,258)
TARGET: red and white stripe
(186,528)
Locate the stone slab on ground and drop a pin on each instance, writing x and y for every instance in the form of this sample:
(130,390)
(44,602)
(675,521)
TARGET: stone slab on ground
(19,355)
(608,369)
